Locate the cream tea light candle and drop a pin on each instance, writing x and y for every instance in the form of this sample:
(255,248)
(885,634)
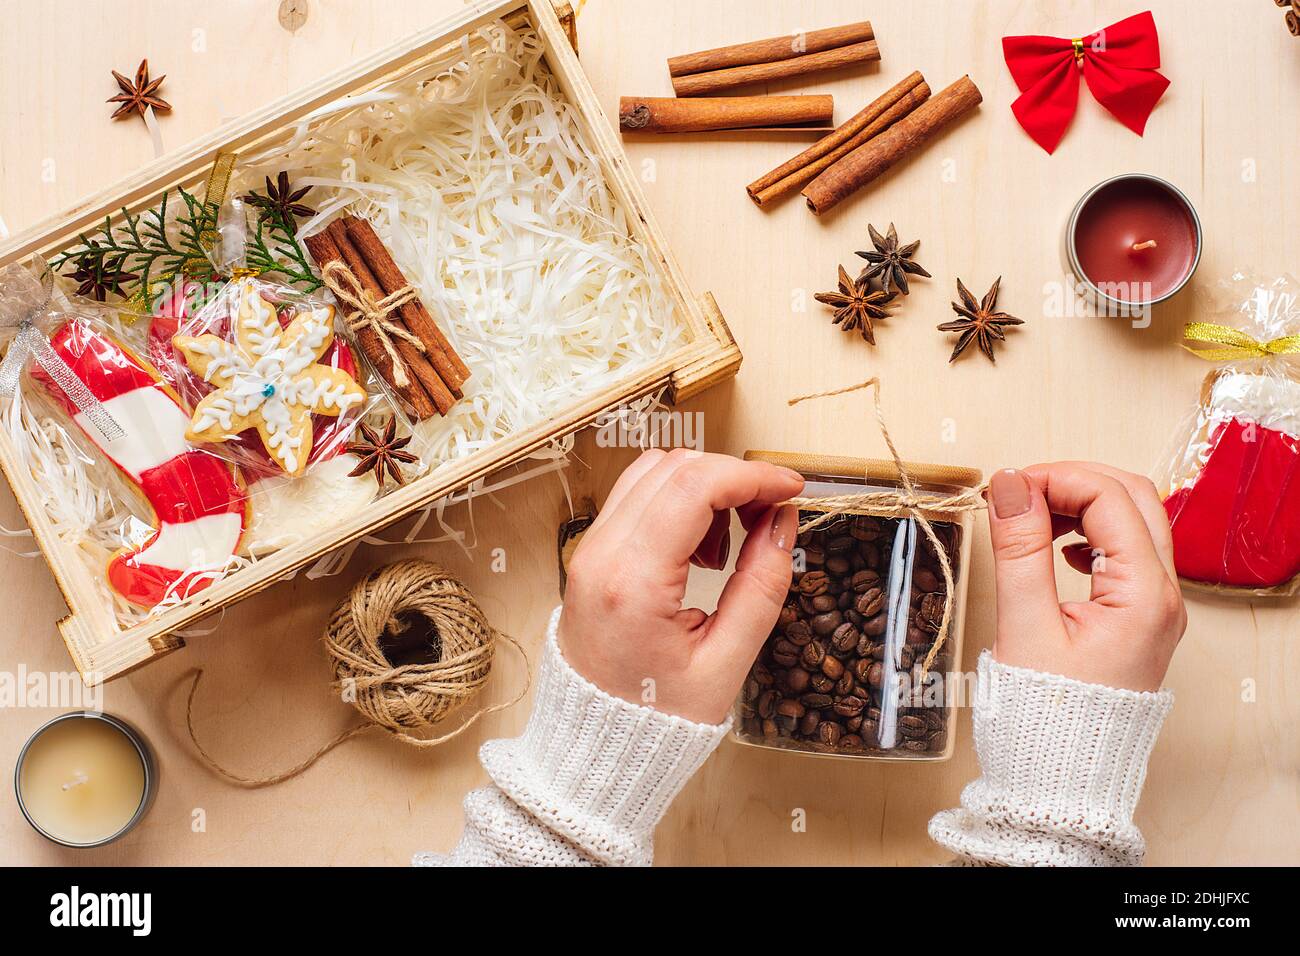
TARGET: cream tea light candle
(84,779)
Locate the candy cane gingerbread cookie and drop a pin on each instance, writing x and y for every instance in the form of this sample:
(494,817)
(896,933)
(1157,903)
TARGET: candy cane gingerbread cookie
(200,509)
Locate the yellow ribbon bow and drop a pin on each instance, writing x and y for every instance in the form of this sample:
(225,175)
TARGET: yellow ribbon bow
(1236,344)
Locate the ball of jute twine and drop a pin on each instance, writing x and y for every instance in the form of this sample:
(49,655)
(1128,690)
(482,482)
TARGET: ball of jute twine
(404,697)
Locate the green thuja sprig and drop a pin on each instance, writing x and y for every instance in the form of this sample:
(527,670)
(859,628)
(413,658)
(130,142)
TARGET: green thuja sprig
(140,251)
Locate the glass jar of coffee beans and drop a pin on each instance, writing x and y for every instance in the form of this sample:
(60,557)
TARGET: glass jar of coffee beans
(843,671)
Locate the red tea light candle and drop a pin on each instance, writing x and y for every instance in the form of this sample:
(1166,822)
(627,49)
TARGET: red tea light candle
(1133,240)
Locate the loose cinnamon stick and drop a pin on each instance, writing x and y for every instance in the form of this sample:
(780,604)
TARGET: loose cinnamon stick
(891,106)
(324,250)
(876,155)
(439,350)
(768,51)
(667,114)
(418,364)
(715,81)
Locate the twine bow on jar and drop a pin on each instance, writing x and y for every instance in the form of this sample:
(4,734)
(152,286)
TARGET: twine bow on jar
(368,312)
(908,502)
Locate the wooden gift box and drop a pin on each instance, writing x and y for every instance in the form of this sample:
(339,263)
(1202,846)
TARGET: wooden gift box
(100,648)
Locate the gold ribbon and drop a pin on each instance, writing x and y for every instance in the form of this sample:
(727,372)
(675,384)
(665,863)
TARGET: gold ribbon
(1235,344)
(1077,43)
(908,502)
(371,313)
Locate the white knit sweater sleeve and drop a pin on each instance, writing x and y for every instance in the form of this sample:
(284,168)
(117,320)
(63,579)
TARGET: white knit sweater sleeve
(1063,765)
(585,784)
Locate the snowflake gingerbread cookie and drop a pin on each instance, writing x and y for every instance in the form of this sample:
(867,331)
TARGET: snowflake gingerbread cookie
(269,378)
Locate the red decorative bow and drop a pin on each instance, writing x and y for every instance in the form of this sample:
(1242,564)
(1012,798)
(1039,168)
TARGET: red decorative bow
(1119,62)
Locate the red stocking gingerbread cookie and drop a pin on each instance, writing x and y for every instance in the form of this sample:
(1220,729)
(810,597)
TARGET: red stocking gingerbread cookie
(200,508)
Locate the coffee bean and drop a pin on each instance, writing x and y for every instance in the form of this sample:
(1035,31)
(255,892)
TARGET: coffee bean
(823,603)
(839,545)
(769,728)
(789,614)
(824,625)
(766,704)
(845,601)
(853,617)
(808,725)
(816,701)
(795,680)
(798,633)
(784,653)
(875,675)
(813,583)
(838,564)
(917,636)
(813,556)
(929,614)
(866,528)
(832,667)
(864,581)
(853,724)
(844,686)
(926,580)
(869,731)
(916,746)
(828,732)
(850,742)
(820,683)
(938,741)
(909,726)
(870,602)
(849,706)
(790,708)
(844,638)
(761,674)
(861,668)
(813,655)
(875,626)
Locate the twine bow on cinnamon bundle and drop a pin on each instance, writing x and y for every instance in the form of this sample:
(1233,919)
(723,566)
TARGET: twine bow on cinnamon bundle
(909,502)
(373,314)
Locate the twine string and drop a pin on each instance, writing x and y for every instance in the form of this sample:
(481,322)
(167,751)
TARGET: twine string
(397,698)
(908,502)
(373,314)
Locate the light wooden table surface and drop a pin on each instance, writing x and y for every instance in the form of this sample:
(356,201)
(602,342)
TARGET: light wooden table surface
(985,201)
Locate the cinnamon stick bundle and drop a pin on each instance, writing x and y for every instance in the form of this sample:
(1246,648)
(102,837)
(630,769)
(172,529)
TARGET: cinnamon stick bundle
(453,371)
(424,378)
(715,81)
(891,106)
(771,50)
(880,153)
(666,114)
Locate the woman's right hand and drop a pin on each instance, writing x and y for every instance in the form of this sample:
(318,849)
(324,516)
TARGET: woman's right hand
(1125,634)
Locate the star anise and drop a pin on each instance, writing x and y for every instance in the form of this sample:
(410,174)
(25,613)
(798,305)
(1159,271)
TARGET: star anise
(139,95)
(381,453)
(98,278)
(282,200)
(856,305)
(978,322)
(890,262)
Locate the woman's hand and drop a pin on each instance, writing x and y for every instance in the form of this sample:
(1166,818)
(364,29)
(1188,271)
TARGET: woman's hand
(1125,635)
(623,625)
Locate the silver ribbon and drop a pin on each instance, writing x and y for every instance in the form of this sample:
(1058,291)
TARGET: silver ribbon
(25,301)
